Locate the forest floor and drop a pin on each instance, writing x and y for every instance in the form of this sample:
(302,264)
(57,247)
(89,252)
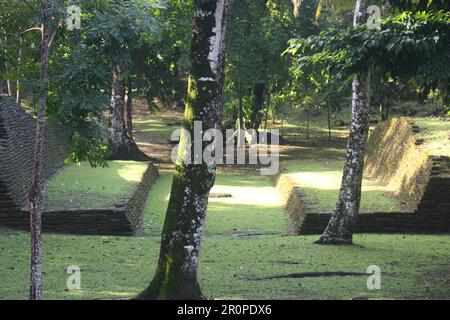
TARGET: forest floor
(246,236)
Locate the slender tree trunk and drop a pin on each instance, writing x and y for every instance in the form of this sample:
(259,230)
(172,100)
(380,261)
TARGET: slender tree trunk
(176,273)
(241,113)
(269,97)
(307,124)
(129,112)
(9,82)
(240,143)
(121,143)
(258,105)
(19,65)
(35,196)
(340,226)
(329,122)
(384,111)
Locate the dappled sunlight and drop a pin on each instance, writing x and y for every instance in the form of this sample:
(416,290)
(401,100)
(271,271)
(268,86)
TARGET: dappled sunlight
(318,180)
(132,171)
(82,186)
(262,196)
(321,187)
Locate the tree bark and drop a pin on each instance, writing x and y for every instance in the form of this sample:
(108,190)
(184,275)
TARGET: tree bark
(307,124)
(121,143)
(35,196)
(19,65)
(241,126)
(384,111)
(258,105)
(241,113)
(9,82)
(269,97)
(329,122)
(129,112)
(340,226)
(176,274)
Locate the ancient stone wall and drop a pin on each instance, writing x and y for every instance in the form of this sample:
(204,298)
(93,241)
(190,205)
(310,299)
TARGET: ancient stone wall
(16,153)
(292,198)
(125,218)
(395,158)
(17,136)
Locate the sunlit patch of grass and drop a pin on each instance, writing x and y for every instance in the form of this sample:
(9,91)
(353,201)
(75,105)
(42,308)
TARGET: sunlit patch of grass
(436,134)
(254,205)
(83,187)
(320,181)
(156,205)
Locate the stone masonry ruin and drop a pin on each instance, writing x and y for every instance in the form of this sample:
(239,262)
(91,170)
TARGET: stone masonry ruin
(17,136)
(394,157)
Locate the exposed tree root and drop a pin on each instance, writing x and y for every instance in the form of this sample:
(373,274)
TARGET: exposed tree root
(306,275)
(128,150)
(333,241)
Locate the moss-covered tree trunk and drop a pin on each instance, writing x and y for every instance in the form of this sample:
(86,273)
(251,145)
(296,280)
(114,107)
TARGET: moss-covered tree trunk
(341,224)
(121,142)
(176,273)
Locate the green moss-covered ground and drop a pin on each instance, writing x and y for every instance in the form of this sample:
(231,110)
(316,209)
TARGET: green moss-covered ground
(79,186)
(414,266)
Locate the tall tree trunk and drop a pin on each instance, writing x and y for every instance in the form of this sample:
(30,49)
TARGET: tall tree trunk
(269,97)
(340,226)
(35,196)
(240,141)
(121,143)
(384,111)
(329,122)
(258,94)
(241,113)
(129,109)
(9,82)
(176,273)
(307,124)
(19,65)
